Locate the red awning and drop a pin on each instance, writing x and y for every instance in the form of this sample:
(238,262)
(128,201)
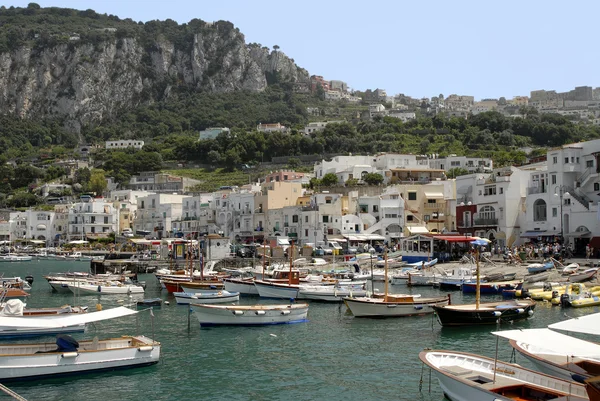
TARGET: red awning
(454,238)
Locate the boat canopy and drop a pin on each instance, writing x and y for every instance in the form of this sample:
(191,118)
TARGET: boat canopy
(589,324)
(66,321)
(553,342)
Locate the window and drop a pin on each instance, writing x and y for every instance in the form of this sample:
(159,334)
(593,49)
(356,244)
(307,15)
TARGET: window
(105,219)
(306,219)
(596,186)
(589,163)
(566,160)
(501,190)
(409,218)
(431,201)
(466,219)
(572,159)
(295,218)
(325,219)
(553,179)
(554,212)
(577,160)
(426,217)
(375,209)
(412,195)
(539,210)
(489,190)
(306,232)
(328,199)
(487,213)
(554,159)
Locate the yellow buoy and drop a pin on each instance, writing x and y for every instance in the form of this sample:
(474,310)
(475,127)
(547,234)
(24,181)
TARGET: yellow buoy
(98,307)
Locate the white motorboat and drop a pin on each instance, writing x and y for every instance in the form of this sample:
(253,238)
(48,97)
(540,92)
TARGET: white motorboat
(469,377)
(15,282)
(401,277)
(109,287)
(12,257)
(330,293)
(250,315)
(185,298)
(243,286)
(428,277)
(556,354)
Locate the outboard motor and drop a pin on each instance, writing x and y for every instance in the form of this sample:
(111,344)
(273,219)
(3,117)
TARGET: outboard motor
(565,301)
(29,279)
(547,287)
(554,294)
(525,294)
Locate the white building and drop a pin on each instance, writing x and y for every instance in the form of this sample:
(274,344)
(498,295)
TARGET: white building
(471,164)
(318,126)
(92,218)
(123,144)
(155,214)
(402,115)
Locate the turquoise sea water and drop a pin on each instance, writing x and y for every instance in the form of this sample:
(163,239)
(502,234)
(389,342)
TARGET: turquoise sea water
(332,357)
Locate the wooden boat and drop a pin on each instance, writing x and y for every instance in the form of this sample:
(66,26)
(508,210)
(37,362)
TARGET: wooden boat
(495,288)
(583,276)
(539,267)
(556,354)
(250,315)
(329,293)
(396,305)
(149,303)
(67,356)
(469,377)
(184,298)
(484,313)
(283,285)
(106,288)
(15,308)
(7,293)
(241,285)
(195,286)
(592,386)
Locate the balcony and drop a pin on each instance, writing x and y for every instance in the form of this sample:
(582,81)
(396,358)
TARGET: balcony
(485,222)
(434,206)
(536,190)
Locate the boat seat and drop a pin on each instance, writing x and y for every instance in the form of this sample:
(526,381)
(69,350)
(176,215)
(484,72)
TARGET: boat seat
(457,370)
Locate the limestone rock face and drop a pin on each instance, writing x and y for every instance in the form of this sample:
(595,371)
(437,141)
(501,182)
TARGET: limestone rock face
(87,83)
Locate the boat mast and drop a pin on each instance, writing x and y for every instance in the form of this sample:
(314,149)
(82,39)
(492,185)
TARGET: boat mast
(291,256)
(478,283)
(264,258)
(385,276)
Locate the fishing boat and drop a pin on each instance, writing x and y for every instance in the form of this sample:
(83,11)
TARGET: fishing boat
(556,354)
(331,293)
(185,298)
(438,276)
(496,287)
(12,257)
(483,313)
(468,377)
(283,285)
(250,315)
(585,275)
(109,287)
(395,305)
(67,356)
(245,286)
(193,286)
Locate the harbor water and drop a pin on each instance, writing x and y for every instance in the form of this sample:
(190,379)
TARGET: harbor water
(332,357)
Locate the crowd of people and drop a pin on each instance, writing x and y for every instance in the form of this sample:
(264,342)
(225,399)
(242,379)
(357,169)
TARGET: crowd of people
(532,251)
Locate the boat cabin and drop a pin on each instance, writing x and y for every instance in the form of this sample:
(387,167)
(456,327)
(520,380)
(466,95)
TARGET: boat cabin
(283,276)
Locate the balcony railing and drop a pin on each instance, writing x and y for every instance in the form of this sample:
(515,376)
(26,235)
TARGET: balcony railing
(485,222)
(434,206)
(536,190)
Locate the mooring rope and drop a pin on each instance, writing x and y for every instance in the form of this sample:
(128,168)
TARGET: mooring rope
(11,393)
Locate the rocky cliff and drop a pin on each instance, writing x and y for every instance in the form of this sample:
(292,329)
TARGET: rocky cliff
(89,82)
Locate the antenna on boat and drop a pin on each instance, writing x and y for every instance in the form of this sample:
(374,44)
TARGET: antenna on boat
(385,275)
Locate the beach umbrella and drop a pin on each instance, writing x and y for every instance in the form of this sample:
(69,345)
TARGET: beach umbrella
(480,242)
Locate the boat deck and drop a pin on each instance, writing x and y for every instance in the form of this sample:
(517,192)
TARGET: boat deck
(502,385)
(91,345)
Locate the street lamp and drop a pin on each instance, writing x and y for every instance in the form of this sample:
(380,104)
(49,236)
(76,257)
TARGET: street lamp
(561,192)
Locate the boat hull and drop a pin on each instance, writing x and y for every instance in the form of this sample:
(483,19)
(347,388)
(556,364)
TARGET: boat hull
(376,307)
(257,315)
(106,289)
(11,332)
(490,288)
(488,313)
(184,298)
(244,287)
(277,291)
(37,365)
(329,294)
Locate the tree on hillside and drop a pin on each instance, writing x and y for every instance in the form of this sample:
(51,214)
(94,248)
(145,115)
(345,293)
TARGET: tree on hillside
(329,180)
(373,178)
(456,171)
(97,182)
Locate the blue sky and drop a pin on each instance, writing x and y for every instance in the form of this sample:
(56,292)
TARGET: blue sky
(481,48)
